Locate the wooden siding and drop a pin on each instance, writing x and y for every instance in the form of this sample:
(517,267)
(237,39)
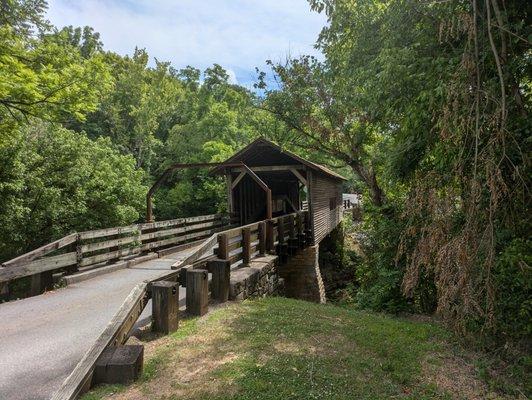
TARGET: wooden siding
(324,220)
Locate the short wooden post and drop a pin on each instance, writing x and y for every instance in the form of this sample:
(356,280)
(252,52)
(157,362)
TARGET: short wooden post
(41,282)
(223,246)
(262,238)
(35,285)
(197,291)
(119,364)
(165,306)
(270,237)
(4,291)
(246,246)
(221,275)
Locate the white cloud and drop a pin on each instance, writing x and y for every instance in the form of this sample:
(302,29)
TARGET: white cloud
(237,34)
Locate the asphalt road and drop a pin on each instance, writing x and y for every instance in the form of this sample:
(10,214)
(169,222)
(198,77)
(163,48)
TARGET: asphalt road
(42,338)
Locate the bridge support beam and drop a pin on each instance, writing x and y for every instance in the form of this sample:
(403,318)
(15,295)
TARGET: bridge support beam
(165,306)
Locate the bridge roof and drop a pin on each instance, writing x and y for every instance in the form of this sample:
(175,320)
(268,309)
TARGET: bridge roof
(262,152)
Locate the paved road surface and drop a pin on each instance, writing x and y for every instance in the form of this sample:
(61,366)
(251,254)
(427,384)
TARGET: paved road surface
(42,338)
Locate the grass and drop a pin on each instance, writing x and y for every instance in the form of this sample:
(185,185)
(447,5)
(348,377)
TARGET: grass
(277,348)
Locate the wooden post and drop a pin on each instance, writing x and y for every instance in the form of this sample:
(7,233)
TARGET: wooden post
(4,291)
(119,364)
(223,246)
(165,306)
(262,238)
(280,230)
(282,246)
(300,232)
(35,285)
(221,275)
(197,291)
(268,204)
(246,246)
(41,282)
(291,227)
(270,238)
(293,242)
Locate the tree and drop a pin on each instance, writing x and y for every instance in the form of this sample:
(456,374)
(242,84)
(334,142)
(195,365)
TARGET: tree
(55,181)
(42,76)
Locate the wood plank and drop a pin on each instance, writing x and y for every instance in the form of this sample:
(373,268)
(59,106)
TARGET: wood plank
(270,168)
(37,266)
(237,180)
(200,218)
(108,256)
(86,248)
(206,246)
(161,224)
(41,251)
(299,176)
(115,333)
(108,232)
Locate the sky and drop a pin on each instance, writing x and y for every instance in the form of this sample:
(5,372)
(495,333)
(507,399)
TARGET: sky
(237,34)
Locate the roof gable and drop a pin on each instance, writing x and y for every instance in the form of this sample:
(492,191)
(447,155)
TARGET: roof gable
(262,152)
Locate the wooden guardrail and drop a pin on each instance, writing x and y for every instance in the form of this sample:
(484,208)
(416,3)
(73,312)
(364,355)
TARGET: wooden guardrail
(237,245)
(90,249)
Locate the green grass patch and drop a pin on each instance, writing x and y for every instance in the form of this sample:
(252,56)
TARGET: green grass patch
(277,348)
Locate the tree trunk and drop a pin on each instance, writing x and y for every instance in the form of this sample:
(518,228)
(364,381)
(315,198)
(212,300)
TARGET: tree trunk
(370,179)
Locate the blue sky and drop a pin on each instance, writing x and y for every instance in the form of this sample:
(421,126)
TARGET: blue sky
(237,34)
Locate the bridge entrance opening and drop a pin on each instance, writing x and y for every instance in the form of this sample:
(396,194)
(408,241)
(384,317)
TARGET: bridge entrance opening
(265,181)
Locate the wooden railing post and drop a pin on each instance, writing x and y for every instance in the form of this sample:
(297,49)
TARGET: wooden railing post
(197,297)
(79,253)
(308,229)
(262,238)
(246,246)
(223,246)
(165,306)
(270,237)
(282,246)
(221,275)
(292,239)
(280,230)
(300,231)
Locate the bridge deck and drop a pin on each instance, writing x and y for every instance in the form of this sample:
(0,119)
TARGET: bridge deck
(42,338)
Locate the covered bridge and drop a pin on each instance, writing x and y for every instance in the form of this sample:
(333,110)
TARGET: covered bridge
(271,182)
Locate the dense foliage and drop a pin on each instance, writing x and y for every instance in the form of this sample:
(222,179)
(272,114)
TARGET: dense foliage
(428,103)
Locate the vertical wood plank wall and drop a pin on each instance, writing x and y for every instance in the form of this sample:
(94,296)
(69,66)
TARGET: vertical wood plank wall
(324,219)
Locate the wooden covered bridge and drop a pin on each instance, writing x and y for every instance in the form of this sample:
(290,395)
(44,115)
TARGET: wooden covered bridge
(281,206)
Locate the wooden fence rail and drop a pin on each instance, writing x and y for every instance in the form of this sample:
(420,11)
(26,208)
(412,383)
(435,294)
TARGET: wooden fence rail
(92,249)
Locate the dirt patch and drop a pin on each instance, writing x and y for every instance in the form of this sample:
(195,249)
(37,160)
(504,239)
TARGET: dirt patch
(456,376)
(186,371)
